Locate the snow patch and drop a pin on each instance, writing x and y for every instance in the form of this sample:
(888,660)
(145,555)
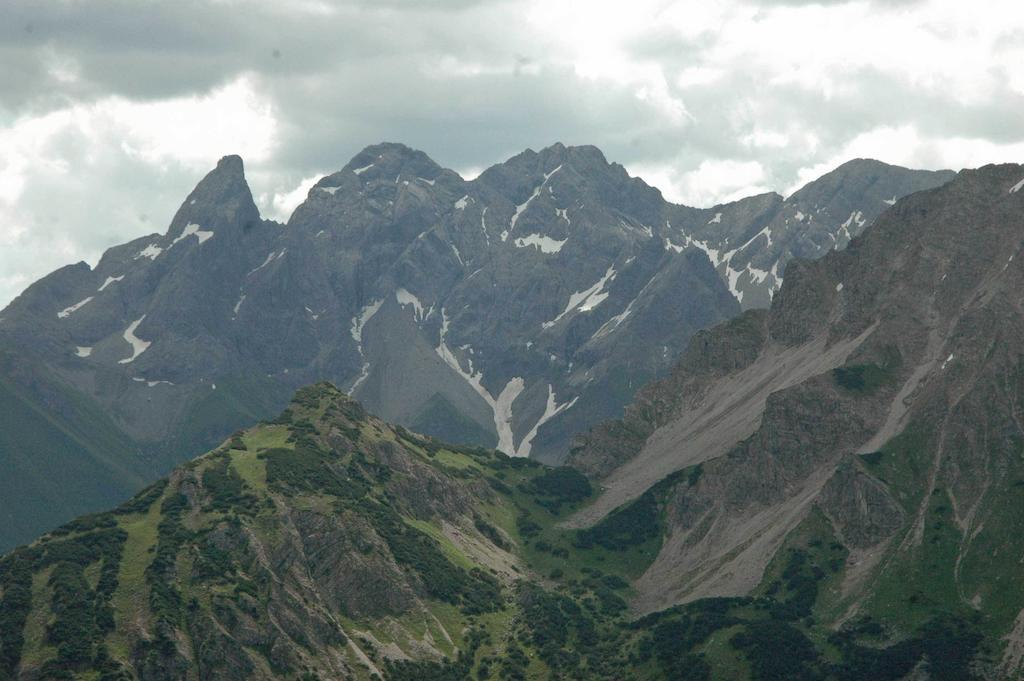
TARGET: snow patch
(363,375)
(82,351)
(757,275)
(66,312)
(856,217)
(274,255)
(151,384)
(563,214)
(839,287)
(948,360)
(151,251)
(522,207)
(614,322)
(139,346)
(503,414)
(776,278)
(545,243)
(593,301)
(426,181)
(715,220)
(891,201)
(329,190)
(109,281)
(405,298)
(799,216)
(712,253)
(766,232)
(733,277)
(669,246)
(552,410)
(462,203)
(1017,187)
(360,171)
(238,306)
(501,407)
(586,300)
(359,321)
(192,229)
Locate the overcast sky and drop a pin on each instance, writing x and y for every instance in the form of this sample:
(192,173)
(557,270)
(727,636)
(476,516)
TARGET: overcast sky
(112,110)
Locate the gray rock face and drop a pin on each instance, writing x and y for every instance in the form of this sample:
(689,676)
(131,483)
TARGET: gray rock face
(880,391)
(751,241)
(512,311)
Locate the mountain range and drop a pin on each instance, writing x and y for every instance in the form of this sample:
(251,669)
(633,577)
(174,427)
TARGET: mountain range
(825,489)
(514,311)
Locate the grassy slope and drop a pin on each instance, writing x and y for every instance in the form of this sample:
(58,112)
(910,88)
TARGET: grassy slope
(566,615)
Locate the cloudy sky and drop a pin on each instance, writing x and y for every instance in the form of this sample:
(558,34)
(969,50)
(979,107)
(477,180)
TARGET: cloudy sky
(111,110)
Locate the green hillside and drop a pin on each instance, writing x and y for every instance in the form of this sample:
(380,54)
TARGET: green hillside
(328,544)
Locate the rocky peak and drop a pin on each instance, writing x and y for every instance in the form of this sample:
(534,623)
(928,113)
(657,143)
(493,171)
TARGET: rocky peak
(391,161)
(868,180)
(521,173)
(222,200)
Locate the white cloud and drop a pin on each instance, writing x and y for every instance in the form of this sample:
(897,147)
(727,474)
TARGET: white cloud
(280,205)
(197,130)
(79,179)
(193,131)
(713,181)
(907,147)
(101,135)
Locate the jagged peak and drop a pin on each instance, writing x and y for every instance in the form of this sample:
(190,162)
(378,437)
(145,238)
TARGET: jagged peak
(393,159)
(581,156)
(563,152)
(226,180)
(522,172)
(232,163)
(223,195)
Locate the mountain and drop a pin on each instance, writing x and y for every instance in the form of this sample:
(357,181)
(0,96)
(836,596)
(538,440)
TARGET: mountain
(323,544)
(751,241)
(93,411)
(826,489)
(867,425)
(513,311)
(329,544)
